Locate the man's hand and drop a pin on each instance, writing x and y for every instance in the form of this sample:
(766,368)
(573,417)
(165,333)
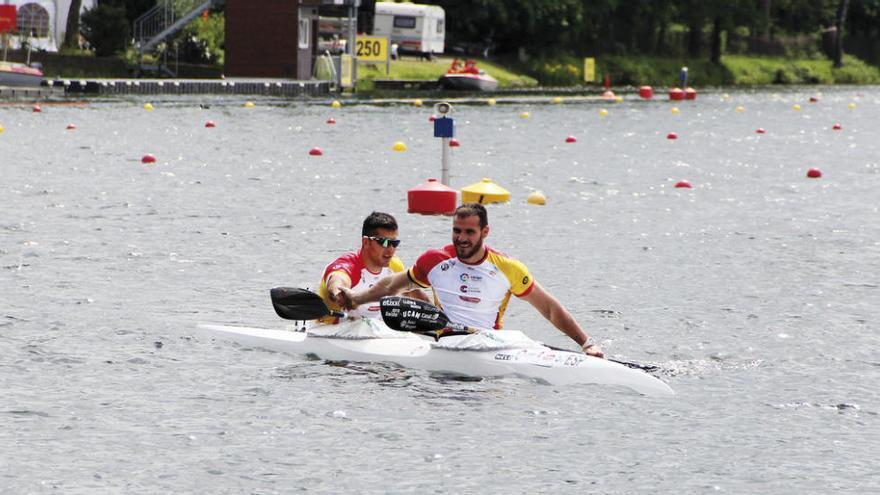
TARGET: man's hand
(593,350)
(345,298)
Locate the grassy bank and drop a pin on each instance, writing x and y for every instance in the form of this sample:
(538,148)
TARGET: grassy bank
(425,70)
(734,70)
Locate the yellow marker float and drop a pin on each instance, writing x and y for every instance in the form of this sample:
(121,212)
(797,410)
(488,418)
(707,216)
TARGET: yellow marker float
(484,192)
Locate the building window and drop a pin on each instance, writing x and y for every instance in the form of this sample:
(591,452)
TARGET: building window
(404,21)
(304,30)
(33,20)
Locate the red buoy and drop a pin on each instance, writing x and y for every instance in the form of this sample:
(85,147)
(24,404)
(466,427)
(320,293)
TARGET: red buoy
(316,151)
(37,109)
(690,94)
(432,118)
(209,124)
(646,92)
(836,127)
(672,135)
(814,173)
(760,130)
(148,158)
(683,184)
(608,95)
(431,198)
(571,139)
(331,120)
(71,127)
(676,94)
(453,143)
(813,99)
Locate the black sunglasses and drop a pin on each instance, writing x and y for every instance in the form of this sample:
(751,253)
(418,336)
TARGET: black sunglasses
(384,241)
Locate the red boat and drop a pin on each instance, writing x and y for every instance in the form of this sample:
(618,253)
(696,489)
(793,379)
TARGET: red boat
(13,74)
(467,77)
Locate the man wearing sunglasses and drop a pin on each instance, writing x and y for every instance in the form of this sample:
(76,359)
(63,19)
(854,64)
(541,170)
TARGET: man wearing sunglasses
(472,282)
(360,270)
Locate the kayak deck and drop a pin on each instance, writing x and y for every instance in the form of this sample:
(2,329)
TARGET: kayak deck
(522,357)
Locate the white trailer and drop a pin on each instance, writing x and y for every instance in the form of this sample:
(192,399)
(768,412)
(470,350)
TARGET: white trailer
(414,28)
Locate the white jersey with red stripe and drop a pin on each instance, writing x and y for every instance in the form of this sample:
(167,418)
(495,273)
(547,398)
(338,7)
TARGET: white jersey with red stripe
(351,266)
(473,294)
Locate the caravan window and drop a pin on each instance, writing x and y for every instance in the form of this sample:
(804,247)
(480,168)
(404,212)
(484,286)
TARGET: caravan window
(404,21)
(440,26)
(304,32)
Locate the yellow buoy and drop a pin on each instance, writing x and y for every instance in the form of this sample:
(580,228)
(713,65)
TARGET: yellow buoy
(1,129)
(603,113)
(399,146)
(417,102)
(491,102)
(524,115)
(618,99)
(484,192)
(851,106)
(537,198)
(336,104)
(674,110)
(249,104)
(796,107)
(740,109)
(148,106)
(557,100)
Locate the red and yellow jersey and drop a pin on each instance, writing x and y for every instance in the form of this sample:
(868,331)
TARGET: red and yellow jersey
(477,294)
(351,266)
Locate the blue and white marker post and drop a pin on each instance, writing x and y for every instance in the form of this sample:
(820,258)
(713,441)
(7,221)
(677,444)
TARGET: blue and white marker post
(444,128)
(683,77)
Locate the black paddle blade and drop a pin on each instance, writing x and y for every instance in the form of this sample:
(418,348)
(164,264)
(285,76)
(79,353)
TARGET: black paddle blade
(404,313)
(292,303)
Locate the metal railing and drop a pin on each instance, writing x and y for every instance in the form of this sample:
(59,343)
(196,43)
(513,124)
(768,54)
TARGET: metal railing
(166,19)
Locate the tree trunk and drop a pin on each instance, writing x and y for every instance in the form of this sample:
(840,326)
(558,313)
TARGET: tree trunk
(695,36)
(715,56)
(71,33)
(838,39)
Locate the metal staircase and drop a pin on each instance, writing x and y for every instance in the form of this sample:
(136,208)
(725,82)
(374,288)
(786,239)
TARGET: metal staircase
(165,20)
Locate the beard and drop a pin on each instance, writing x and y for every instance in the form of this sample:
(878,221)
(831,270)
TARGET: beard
(465,252)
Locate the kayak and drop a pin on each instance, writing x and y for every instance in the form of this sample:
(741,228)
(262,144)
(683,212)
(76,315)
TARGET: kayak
(501,353)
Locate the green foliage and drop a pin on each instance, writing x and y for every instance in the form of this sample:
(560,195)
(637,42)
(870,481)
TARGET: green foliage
(203,40)
(432,70)
(106,29)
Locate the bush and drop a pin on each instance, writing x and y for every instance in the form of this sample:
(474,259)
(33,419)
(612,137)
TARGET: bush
(106,29)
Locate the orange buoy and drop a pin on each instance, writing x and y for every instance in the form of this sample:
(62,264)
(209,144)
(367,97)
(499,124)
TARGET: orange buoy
(148,158)
(646,92)
(453,143)
(814,173)
(571,139)
(672,135)
(431,198)
(71,127)
(209,124)
(331,120)
(836,127)
(316,151)
(760,130)
(676,94)
(683,184)
(690,94)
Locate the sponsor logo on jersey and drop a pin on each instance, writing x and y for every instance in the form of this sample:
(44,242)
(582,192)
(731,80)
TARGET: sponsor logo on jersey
(526,280)
(469,299)
(463,288)
(464,277)
(444,266)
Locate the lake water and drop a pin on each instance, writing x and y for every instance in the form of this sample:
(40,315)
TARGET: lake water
(756,291)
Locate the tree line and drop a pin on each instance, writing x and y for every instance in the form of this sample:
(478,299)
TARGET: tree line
(695,28)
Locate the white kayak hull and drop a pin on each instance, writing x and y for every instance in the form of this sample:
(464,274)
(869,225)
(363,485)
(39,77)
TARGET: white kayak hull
(528,358)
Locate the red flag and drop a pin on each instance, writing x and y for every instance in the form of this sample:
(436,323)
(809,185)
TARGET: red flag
(8,19)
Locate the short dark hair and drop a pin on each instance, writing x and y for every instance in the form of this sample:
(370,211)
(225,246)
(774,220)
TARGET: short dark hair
(378,220)
(471,209)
